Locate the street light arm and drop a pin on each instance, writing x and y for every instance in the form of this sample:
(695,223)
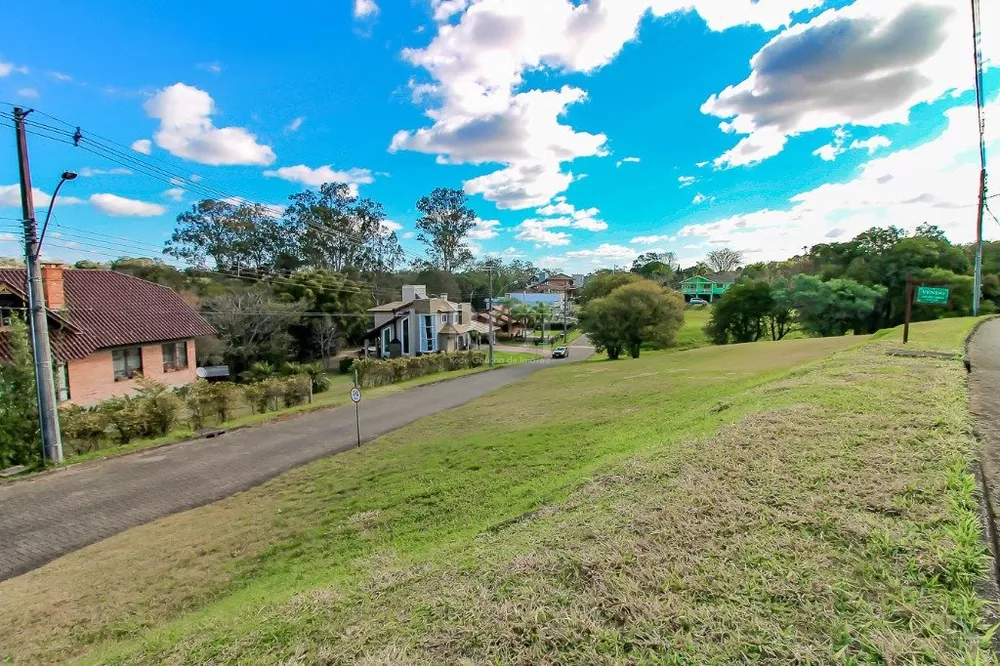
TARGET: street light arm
(48,215)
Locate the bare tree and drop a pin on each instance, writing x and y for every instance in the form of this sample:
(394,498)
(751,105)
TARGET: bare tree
(326,335)
(252,325)
(724,259)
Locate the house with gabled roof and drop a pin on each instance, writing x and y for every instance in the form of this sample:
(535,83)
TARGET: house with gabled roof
(107,329)
(421,324)
(709,287)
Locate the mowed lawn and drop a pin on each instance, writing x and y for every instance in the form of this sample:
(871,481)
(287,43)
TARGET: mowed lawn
(796,502)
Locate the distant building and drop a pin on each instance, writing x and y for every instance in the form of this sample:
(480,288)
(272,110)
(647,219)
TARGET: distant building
(707,287)
(107,329)
(557,283)
(421,324)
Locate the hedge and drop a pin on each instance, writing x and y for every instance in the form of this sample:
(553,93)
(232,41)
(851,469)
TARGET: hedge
(376,372)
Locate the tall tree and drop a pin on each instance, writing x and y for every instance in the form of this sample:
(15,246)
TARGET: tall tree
(236,237)
(336,230)
(603,283)
(324,292)
(20,438)
(724,259)
(253,326)
(834,307)
(741,315)
(445,225)
(631,315)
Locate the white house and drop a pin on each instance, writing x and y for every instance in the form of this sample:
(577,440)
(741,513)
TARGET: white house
(421,324)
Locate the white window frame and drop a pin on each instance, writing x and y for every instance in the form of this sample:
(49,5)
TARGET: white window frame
(428,322)
(386,340)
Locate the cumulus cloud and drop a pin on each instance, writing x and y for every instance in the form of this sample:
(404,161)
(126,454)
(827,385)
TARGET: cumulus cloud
(485,229)
(872,144)
(687,181)
(839,146)
(187,131)
(114,205)
(652,240)
(7,68)
(174,194)
(569,216)
(540,232)
(864,64)
(10,197)
(699,199)
(604,251)
(144,146)
(627,160)
(364,9)
(320,175)
(88,172)
(934,182)
(477,65)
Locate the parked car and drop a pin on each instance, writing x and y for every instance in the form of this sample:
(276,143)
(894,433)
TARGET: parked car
(560,352)
(698,302)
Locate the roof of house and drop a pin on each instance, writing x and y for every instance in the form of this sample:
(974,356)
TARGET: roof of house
(109,309)
(390,307)
(454,329)
(718,278)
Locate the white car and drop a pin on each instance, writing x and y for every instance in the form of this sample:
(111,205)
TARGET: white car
(698,302)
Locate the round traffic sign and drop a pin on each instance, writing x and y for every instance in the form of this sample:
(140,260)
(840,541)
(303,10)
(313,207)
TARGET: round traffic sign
(355,395)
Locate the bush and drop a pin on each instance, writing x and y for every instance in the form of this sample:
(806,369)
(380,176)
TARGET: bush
(158,407)
(82,428)
(124,416)
(265,395)
(375,372)
(206,400)
(346,365)
(296,390)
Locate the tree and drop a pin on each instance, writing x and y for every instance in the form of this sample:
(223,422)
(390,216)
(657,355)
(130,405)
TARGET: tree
(724,259)
(523,314)
(542,313)
(603,283)
(631,315)
(336,230)
(326,336)
(253,326)
(20,436)
(236,237)
(878,240)
(834,307)
(324,292)
(444,226)
(741,314)
(929,230)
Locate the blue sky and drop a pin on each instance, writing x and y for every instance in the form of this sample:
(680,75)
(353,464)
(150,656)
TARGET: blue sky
(586,132)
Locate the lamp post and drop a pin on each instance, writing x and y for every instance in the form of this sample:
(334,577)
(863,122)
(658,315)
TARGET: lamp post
(66,176)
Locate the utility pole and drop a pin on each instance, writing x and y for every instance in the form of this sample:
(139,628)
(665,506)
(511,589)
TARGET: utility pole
(489,313)
(977,52)
(44,384)
(565,318)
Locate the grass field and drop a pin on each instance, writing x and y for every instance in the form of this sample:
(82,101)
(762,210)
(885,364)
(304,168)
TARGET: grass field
(795,502)
(692,334)
(513,358)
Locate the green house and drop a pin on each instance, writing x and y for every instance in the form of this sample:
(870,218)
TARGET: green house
(707,287)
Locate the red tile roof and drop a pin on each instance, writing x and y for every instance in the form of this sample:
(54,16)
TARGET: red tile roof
(109,309)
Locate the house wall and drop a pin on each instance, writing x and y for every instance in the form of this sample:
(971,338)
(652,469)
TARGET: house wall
(92,379)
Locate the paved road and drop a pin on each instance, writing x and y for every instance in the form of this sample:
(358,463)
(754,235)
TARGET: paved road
(51,515)
(984,398)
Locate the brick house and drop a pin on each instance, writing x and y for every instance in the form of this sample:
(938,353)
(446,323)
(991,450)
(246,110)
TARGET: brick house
(106,329)
(557,283)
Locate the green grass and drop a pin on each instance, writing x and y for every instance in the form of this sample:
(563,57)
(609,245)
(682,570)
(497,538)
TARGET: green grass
(793,502)
(692,334)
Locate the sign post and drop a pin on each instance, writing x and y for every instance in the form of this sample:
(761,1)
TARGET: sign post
(926,294)
(356,399)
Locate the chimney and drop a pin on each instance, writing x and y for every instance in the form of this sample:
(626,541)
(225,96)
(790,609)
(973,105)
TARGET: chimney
(52,283)
(414,292)
(443,297)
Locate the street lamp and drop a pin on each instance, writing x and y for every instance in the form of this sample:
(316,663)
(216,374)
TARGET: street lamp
(66,175)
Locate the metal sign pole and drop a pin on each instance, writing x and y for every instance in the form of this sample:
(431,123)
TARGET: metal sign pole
(356,399)
(909,308)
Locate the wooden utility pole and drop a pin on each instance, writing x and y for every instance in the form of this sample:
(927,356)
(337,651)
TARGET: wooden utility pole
(48,414)
(909,309)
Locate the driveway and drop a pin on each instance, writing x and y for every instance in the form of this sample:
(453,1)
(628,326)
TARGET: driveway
(54,514)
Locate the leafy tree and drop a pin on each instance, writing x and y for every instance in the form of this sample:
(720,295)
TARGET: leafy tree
(740,315)
(724,259)
(11,262)
(446,222)
(20,437)
(542,313)
(523,314)
(323,292)
(633,314)
(603,283)
(336,230)
(253,326)
(878,240)
(87,264)
(236,237)
(834,307)
(929,230)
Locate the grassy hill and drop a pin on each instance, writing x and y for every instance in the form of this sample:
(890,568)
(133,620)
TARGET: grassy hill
(804,501)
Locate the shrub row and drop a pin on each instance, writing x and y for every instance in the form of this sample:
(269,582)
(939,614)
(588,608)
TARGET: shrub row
(155,410)
(376,372)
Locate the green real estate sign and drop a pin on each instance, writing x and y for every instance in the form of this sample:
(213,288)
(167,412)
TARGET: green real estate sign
(933,295)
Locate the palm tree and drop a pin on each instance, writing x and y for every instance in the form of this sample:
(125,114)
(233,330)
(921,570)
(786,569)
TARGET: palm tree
(523,313)
(543,311)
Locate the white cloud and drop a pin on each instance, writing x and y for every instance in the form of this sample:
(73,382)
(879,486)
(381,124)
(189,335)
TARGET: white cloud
(935,182)
(364,9)
(864,64)
(194,178)
(652,240)
(187,131)
(7,68)
(485,229)
(445,9)
(112,204)
(839,146)
(702,165)
(687,181)
(144,146)
(409,234)
(8,238)
(88,172)
(571,217)
(872,144)
(539,232)
(27,93)
(174,194)
(294,125)
(59,76)
(213,67)
(699,199)
(10,197)
(604,251)
(477,65)
(320,175)
(627,160)
(560,207)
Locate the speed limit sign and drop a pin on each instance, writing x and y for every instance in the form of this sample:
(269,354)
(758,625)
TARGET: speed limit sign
(355,395)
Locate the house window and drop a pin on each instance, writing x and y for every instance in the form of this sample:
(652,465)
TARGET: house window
(427,333)
(444,319)
(386,339)
(6,317)
(175,356)
(406,336)
(62,382)
(127,362)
